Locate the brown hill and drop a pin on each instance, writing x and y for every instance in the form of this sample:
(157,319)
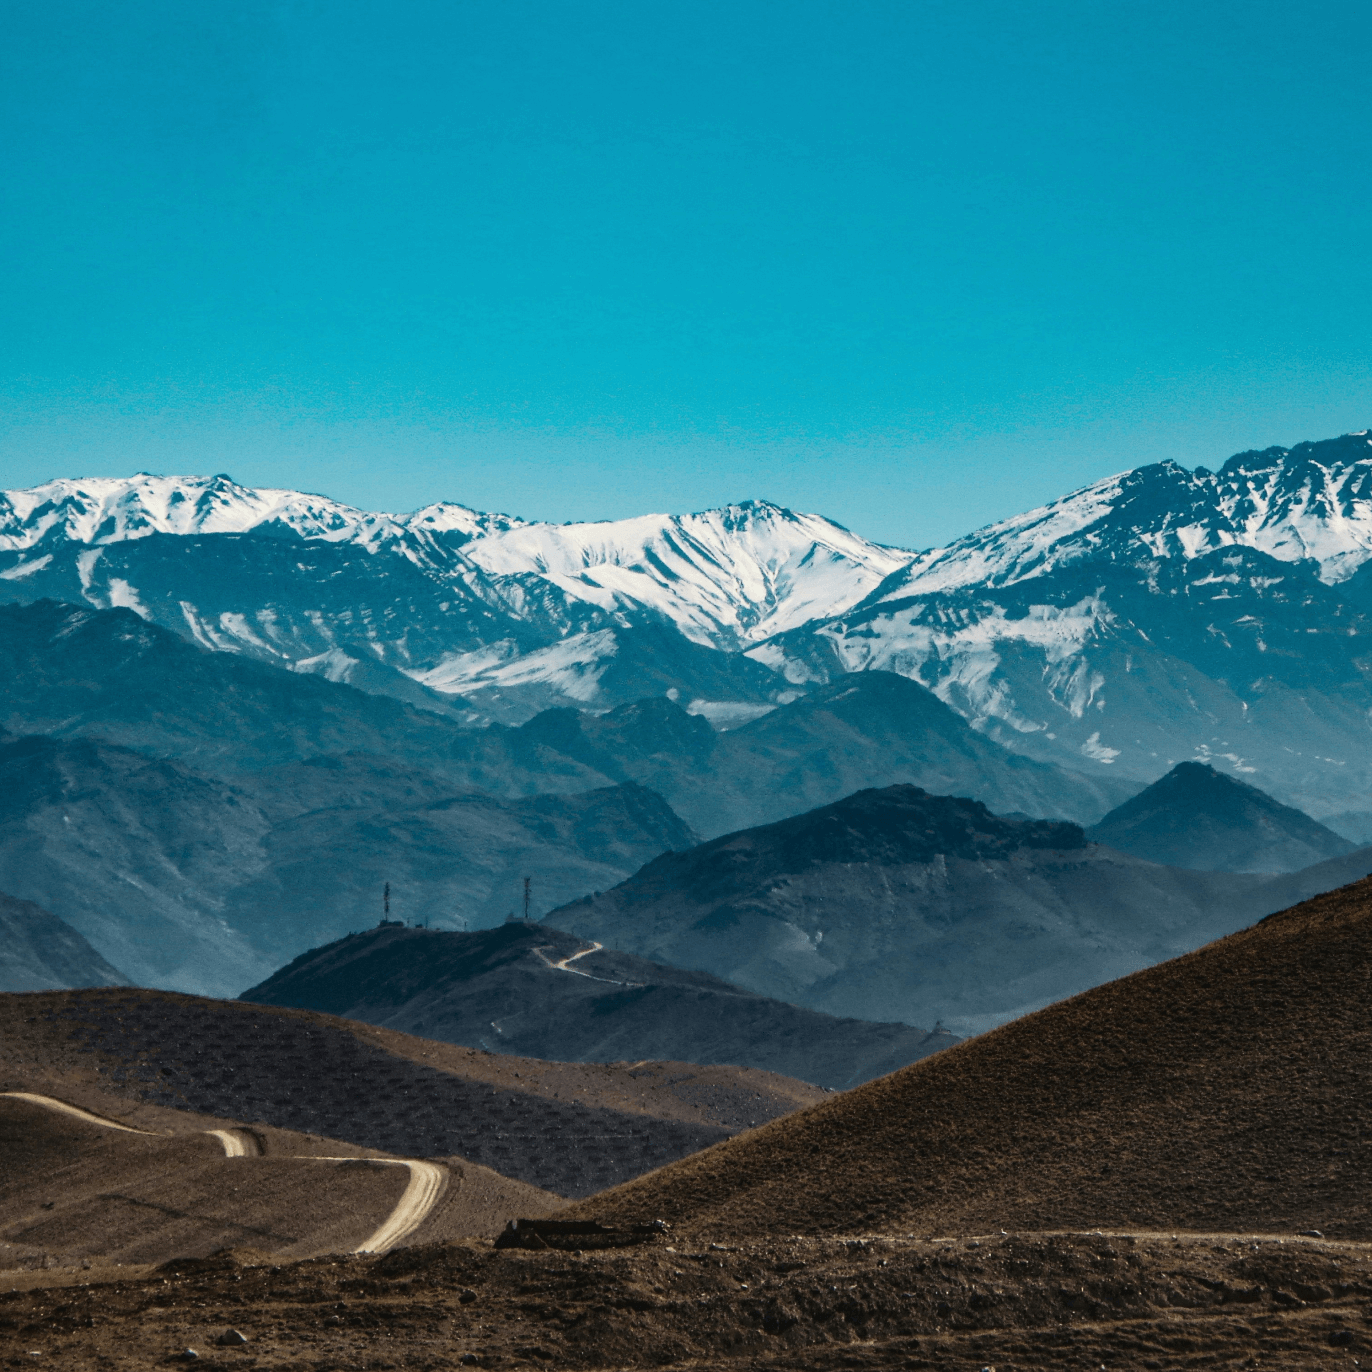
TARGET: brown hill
(568,1128)
(81,1191)
(1220,1091)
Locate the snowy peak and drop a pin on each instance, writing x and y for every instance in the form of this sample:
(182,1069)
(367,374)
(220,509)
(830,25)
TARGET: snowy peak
(724,577)
(104,510)
(1313,501)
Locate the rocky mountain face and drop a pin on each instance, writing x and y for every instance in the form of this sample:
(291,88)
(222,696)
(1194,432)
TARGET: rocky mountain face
(1159,616)
(39,952)
(538,992)
(193,883)
(507,617)
(897,905)
(1199,818)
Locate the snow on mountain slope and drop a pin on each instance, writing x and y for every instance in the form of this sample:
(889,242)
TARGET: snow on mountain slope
(105,510)
(464,602)
(1313,501)
(723,577)
(1153,617)
(1157,615)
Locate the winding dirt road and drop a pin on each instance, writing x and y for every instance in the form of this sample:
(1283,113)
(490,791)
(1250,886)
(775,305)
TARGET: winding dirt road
(428,1180)
(561,965)
(427,1183)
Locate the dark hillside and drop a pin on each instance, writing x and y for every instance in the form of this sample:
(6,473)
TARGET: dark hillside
(543,993)
(895,904)
(1199,818)
(38,952)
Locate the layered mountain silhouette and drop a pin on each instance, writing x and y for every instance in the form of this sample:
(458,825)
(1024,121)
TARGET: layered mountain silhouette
(864,729)
(1156,614)
(186,881)
(1209,1094)
(895,904)
(38,952)
(76,672)
(542,993)
(1203,819)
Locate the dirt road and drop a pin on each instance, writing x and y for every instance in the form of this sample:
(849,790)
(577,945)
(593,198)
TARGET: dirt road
(426,1185)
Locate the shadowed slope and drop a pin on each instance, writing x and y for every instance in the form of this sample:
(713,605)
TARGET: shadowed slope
(1199,818)
(39,952)
(543,993)
(893,904)
(569,1128)
(1221,1091)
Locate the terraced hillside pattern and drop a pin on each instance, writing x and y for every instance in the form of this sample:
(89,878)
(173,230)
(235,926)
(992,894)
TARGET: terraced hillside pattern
(565,1128)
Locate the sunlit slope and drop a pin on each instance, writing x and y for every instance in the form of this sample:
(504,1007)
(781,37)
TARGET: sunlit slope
(1224,1090)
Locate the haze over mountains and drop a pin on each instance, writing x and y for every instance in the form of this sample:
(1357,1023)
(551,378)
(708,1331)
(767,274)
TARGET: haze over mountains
(538,992)
(39,952)
(895,904)
(1199,818)
(187,881)
(1154,617)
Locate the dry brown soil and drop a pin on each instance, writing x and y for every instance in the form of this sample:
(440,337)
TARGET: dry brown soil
(569,1128)
(1228,1090)
(1041,1301)
(76,1197)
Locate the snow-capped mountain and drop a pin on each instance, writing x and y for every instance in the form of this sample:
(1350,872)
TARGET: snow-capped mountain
(1309,503)
(102,510)
(1155,616)
(446,600)
(1152,617)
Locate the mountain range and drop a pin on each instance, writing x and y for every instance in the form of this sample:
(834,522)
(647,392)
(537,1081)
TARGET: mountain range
(893,904)
(1158,616)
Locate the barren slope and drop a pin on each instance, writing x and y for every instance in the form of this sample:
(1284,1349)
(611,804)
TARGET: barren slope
(1220,1091)
(540,992)
(568,1128)
(103,1192)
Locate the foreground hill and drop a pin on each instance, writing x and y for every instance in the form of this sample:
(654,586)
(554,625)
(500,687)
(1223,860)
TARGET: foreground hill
(1199,818)
(1211,1093)
(158,1185)
(568,1128)
(543,993)
(38,952)
(900,905)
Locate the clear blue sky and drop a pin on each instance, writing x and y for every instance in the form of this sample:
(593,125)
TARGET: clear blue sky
(916,265)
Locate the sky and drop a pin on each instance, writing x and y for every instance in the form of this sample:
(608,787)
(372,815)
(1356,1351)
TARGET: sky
(917,266)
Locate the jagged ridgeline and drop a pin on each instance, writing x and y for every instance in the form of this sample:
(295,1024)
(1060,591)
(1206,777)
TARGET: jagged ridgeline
(1161,615)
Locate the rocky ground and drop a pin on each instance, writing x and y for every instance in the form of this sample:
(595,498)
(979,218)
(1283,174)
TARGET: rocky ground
(1018,1301)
